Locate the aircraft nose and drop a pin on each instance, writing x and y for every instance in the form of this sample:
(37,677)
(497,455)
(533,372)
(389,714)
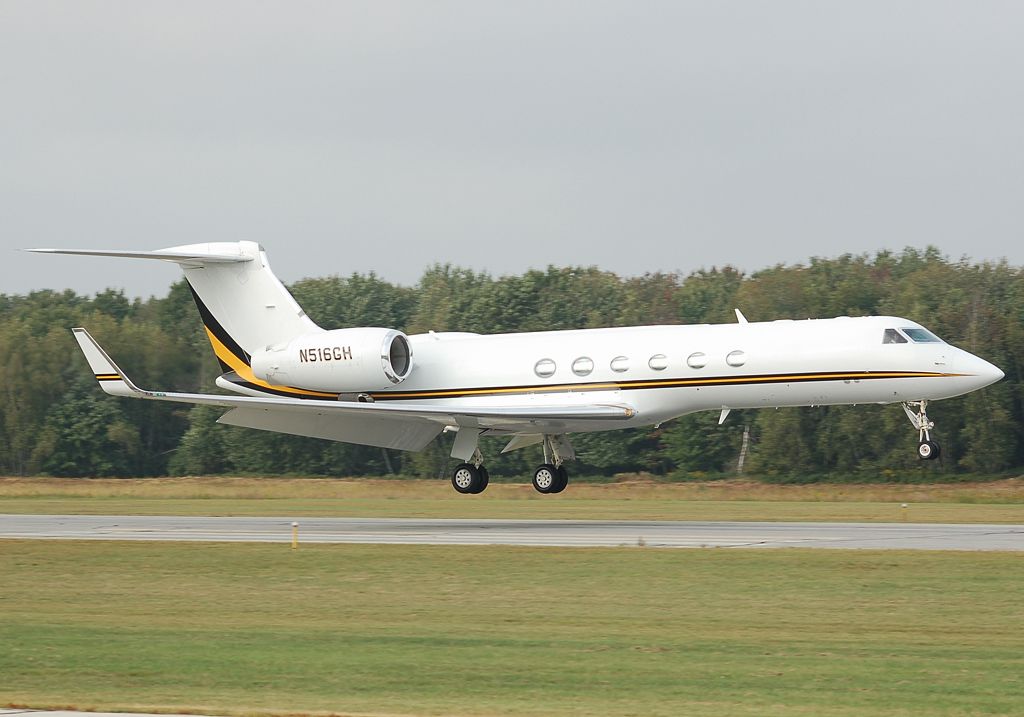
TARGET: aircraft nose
(985,373)
(996,372)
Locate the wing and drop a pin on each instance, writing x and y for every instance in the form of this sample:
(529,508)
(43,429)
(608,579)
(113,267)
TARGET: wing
(391,425)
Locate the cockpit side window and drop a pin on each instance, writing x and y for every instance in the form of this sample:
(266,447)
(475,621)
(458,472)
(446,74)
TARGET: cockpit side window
(892,336)
(922,336)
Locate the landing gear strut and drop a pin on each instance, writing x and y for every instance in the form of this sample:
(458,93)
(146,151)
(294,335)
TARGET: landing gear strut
(927,449)
(471,478)
(551,476)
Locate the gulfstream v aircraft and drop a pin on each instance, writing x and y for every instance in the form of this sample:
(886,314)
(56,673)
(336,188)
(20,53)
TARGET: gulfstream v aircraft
(377,386)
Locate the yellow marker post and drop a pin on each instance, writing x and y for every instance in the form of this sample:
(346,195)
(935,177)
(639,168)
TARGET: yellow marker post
(903,512)
(295,536)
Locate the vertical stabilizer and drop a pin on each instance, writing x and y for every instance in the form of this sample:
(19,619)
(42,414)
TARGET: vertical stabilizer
(245,308)
(244,299)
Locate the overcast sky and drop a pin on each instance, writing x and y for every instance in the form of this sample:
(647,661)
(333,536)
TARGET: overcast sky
(635,136)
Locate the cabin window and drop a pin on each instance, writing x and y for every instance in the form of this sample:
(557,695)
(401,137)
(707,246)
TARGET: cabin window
(545,368)
(697,359)
(658,362)
(922,336)
(892,336)
(582,366)
(619,364)
(736,358)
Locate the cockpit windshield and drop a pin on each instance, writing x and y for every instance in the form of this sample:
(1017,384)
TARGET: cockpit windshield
(918,336)
(922,336)
(892,336)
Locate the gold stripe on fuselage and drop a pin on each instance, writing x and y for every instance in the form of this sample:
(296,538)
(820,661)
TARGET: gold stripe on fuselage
(244,372)
(659,383)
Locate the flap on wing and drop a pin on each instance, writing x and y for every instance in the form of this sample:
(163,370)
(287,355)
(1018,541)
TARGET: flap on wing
(400,433)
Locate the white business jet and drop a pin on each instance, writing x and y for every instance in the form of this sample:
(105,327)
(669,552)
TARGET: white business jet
(377,386)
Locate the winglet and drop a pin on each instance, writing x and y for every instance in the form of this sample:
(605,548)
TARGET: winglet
(111,378)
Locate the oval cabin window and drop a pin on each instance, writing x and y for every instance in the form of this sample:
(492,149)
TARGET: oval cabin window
(659,362)
(619,364)
(736,358)
(697,360)
(582,366)
(545,368)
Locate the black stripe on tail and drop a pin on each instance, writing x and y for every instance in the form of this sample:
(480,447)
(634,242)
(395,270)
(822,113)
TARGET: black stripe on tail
(215,328)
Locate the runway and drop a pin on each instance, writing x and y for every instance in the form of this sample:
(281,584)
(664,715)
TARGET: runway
(553,533)
(73,713)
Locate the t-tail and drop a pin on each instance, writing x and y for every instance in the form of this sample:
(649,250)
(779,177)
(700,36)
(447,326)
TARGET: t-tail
(245,308)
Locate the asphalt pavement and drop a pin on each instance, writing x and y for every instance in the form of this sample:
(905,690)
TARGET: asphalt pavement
(554,533)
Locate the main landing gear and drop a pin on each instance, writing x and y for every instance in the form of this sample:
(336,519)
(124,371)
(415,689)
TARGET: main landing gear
(551,476)
(470,477)
(927,449)
(550,479)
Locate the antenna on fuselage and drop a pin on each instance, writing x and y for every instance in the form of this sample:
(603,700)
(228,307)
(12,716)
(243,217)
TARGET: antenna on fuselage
(740,317)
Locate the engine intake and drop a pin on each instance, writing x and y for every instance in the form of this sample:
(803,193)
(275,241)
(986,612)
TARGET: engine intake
(338,361)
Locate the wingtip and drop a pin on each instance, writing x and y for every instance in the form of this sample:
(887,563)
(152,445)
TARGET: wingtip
(110,377)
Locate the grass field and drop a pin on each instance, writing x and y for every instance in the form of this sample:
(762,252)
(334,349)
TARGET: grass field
(248,629)
(990,502)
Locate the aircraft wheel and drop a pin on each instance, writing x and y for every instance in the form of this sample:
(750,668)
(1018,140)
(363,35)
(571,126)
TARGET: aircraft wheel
(545,478)
(563,480)
(467,478)
(928,450)
(485,478)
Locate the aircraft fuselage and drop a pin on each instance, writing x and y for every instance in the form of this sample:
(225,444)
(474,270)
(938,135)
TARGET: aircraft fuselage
(668,371)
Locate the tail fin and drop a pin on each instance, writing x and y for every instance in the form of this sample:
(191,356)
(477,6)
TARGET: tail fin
(244,307)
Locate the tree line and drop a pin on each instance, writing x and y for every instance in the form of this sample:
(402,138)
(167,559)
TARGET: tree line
(55,420)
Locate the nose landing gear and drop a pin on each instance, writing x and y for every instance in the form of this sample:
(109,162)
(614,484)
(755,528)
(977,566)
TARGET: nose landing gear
(927,449)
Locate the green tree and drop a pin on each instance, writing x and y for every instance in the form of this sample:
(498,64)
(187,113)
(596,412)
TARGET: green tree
(697,443)
(88,435)
(201,450)
(785,443)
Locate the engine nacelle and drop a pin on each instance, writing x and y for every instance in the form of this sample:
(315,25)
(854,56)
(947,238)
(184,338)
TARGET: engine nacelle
(338,361)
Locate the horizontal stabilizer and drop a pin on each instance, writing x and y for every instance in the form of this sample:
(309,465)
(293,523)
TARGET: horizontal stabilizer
(191,258)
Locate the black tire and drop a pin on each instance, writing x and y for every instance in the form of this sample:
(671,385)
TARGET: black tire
(563,480)
(545,478)
(466,478)
(928,450)
(485,479)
